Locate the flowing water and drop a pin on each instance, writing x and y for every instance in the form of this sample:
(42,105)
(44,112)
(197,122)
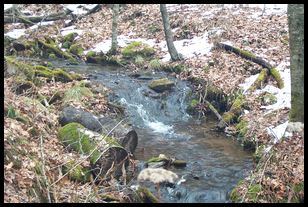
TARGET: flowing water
(215,163)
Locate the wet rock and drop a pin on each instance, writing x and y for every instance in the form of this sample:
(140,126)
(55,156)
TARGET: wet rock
(161,85)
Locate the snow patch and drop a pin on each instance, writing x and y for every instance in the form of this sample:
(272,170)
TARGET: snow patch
(189,47)
(16,33)
(68,30)
(41,24)
(278,131)
(248,82)
(283,95)
(79,8)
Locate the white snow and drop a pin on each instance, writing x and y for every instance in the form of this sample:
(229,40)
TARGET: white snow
(278,131)
(248,82)
(123,41)
(16,33)
(283,95)
(71,29)
(41,24)
(189,47)
(76,10)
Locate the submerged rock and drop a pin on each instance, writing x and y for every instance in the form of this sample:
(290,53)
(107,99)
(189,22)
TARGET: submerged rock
(161,85)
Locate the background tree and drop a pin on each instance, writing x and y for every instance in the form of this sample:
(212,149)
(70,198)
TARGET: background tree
(115,17)
(168,34)
(296,39)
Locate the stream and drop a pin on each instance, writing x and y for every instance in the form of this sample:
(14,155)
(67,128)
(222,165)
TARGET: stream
(215,163)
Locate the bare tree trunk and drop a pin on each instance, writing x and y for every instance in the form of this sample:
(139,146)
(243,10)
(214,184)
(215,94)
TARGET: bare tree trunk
(168,34)
(296,41)
(114,42)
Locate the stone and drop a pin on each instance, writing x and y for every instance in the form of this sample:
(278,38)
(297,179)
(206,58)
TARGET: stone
(161,85)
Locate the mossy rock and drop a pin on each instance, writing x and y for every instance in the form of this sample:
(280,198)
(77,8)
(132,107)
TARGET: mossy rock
(91,54)
(70,136)
(76,93)
(161,85)
(70,37)
(48,48)
(179,163)
(78,173)
(109,198)
(58,74)
(137,48)
(146,196)
(76,49)
(104,152)
(66,45)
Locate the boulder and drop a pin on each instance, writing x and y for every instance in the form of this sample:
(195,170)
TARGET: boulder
(123,133)
(161,85)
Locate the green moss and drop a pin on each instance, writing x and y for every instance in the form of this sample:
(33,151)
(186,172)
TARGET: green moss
(70,135)
(146,195)
(242,128)
(52,56)
(66,45)
(70,37)
(91,54)
(54,49)
(245,53)
(155,64)
(258,153)
(298,190)
(238,103)
(137,48)
(253,192)
(76,49)
(194,103)
(267,98)
(161,84)
(274,72)
(76,93)
(58,74)
(11,112)
(235,196)
(139,61)
(79,173)
(229,117)
(260,80)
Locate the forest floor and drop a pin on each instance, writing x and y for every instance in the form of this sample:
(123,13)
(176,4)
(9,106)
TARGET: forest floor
(281,168)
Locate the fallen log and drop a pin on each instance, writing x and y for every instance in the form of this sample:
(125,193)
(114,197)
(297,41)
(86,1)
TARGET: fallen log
(35,19)
(250,56)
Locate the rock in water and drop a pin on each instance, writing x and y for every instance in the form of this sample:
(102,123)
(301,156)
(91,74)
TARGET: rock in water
(161,85)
